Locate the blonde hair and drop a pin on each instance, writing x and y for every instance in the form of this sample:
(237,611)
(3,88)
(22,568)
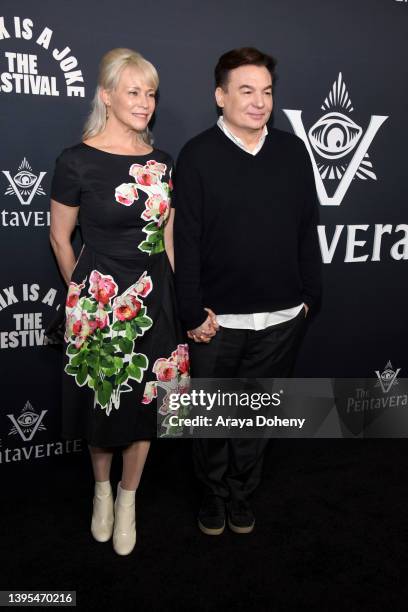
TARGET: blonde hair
(110,69)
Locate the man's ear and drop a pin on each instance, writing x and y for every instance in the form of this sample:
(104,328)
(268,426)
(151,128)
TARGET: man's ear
(219,97)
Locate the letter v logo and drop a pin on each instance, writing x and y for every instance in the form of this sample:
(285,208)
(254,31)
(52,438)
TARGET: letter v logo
(333,137)
(28,423)
(24,184)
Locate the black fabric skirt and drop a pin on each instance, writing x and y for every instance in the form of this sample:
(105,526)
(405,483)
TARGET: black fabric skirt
(122,341)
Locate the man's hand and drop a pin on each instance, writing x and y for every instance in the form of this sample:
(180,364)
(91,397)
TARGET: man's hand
(306,309)
(206,330)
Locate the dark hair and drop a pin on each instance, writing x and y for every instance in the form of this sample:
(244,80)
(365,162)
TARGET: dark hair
(241,57)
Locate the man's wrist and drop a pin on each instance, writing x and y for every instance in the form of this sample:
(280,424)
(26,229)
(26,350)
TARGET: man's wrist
(192,324)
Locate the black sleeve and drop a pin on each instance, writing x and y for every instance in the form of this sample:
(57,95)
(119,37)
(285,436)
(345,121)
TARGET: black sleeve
(310,261)
(65,186)
(187,241)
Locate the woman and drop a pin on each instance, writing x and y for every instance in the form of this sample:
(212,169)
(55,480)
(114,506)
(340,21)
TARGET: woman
(122,338)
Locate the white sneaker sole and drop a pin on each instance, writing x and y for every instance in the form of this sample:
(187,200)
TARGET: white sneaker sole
(237,529)
(208,531)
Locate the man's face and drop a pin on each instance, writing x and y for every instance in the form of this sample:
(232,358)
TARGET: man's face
(246,101)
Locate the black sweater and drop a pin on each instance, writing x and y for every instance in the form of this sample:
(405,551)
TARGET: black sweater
(245,227)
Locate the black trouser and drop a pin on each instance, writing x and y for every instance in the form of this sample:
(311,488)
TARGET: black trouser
(231,468)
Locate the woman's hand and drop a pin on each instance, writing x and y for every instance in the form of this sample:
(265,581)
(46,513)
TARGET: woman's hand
(207,330)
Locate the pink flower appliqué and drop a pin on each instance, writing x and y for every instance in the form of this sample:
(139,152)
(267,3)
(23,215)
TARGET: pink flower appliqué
(71,318)
(102,287)
(149,174)
(82,328)
(101,318)
(74,291)
(182,358)
(144,285)
(126,307)
(157,208)
(164,369)
(126,194)
(150,392)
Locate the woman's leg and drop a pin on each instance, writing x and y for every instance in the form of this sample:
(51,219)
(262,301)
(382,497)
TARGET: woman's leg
(102,516)
(101,459)
(134,458)
(124,533)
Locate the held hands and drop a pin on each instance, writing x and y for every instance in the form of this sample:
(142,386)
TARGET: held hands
(206,330)
(209,328)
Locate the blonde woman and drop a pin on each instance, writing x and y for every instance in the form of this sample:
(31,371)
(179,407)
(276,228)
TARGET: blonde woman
(122,337)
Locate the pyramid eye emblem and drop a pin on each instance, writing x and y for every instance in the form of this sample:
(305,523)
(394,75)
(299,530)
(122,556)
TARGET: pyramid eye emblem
(27,419)
(387,375)
(25,179)
(334,135)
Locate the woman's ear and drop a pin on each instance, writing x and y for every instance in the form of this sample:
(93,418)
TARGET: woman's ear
(105,96)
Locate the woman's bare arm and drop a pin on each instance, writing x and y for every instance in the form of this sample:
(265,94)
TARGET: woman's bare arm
(168,238)
(63,221)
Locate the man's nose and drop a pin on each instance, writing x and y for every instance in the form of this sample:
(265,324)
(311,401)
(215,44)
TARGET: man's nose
(258,100)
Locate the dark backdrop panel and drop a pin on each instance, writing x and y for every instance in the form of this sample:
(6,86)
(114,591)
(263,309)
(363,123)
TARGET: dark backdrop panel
(362,322)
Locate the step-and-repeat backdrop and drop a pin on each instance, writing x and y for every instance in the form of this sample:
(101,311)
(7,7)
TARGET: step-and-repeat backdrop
(342,88)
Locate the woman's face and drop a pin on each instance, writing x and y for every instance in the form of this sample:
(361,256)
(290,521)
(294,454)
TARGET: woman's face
(133,101)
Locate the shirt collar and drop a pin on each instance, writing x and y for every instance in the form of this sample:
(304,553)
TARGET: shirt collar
(223,127)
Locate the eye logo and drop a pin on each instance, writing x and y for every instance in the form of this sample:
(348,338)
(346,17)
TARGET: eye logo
(334,135)
(332,140)
(387,378)
(27,419)
(25,179)
(24,184)
(28,423)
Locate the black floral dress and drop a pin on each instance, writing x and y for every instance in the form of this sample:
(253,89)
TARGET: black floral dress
(122,338)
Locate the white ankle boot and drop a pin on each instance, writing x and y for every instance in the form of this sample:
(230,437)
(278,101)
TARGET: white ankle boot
(124,531)
(102,516)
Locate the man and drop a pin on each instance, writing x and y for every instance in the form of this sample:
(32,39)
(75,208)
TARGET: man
(247,264)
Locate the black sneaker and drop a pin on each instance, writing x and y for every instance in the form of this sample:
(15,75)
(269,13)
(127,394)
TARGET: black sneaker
(211,517)
(241,519)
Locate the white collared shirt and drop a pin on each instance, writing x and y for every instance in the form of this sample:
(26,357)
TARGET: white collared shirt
(223,126)
(257,320)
